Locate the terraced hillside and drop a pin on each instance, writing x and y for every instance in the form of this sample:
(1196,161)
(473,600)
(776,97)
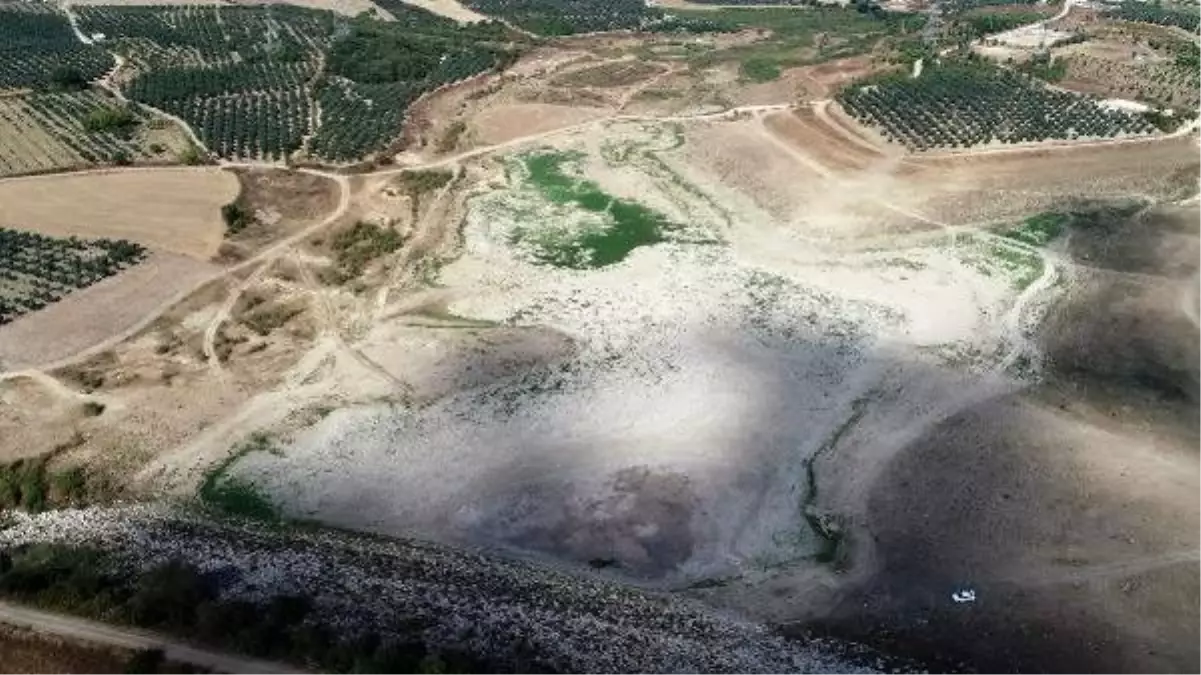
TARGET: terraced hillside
(49,117)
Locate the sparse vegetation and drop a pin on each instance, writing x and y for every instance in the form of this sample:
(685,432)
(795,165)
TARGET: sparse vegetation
(1044,67)
(235,496)
(28,484)
(355,247)
(450,138)
(236,217)
(416,184)
(73,129)
(799,36)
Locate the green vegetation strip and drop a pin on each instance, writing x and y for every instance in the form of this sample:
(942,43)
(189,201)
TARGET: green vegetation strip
(234,496)
(629,224)
(1039,230)
(824,525)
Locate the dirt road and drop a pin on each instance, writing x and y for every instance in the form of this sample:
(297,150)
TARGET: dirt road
(128,638)
(265,259)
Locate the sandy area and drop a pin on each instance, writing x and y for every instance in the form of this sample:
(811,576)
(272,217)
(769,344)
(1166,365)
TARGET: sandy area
(175,209)
(450,9)
(507,122)
(93,314)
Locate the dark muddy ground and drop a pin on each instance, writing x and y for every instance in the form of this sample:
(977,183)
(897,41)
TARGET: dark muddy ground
(1070,508)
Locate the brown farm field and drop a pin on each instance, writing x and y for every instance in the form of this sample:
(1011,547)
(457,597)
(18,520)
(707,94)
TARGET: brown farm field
(176,209)
(97,313)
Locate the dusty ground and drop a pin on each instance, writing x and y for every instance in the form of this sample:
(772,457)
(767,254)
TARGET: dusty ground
(282,202)
(507,411)
(448,8)
(176,210)
(29,652)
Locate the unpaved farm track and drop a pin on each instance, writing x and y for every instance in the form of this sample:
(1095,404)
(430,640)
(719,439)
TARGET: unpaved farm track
(267,258)
(127,638)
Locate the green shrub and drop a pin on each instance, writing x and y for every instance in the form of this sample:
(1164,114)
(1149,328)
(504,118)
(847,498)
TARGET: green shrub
(109,119)
(760,70)
(236,217)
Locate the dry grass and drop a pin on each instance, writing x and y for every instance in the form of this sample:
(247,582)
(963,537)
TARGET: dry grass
(176,209)
(507,122)
(282,203)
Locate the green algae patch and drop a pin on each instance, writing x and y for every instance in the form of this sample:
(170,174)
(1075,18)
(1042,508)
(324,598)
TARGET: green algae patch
(611,229)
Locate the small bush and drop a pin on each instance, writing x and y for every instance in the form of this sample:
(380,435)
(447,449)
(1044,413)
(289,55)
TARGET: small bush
(236,217)
(66,77)
(109,119)
(190,156)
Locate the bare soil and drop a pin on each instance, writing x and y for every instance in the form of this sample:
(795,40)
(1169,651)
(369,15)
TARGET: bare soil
(26,651)
(92,314)
(169,209)
(282,203)
(505,123)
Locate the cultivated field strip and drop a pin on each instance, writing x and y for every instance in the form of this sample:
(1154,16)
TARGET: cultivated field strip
(36,270)
(269,84)
(47,131)
(37,47)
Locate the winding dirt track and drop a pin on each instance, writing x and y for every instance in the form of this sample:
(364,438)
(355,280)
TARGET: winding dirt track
(128,638)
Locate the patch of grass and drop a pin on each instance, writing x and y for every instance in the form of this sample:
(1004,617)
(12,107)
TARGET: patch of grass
(626,224)
(994,258)
(758,69)
(450,138)
(1039,230)
(235,496)
(357,246)
(27,484)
